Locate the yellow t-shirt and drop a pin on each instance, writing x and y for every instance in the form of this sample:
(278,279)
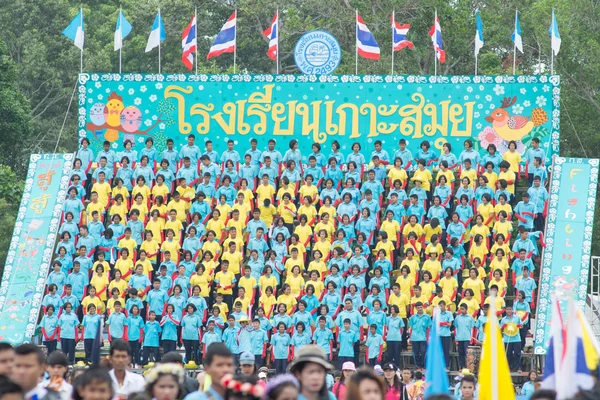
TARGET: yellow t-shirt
(103,190)
(142,208)
(395,174)
(408,228)
(472,305)
(156,227)
(224,210)
(217,226)
(290,190)
(265,192)
(429,232)
(121,285)
(203,281)
(91,207)
(176,226)
(181,208)
(248,284)
(448,286)
(244,209)
(214,247)
(514,159)
(224,310)
(501,265)
(224,279)
(492,179)
(471,174)
(448,174)
(427,288)
(486,211)
(425,178)
(391,228)
(172,247)
(100,283)
(311,191)
(413,265)
(125,266)
(508,176)
(406,284)
(388,246)
(303,233)
(267,302)
(289,301)
(502,285)
(500,304)
(150,247)
(122,191)
(265,282)
(317,285)
(319,266)
(435,267)
(287,212)
(120,210)
(296,284)
(267,214)
(235,261)
(143,190)
(160,190)
(329,210)
(309,211)
(129,244)
(503,227)
(100,308)
(476,285)
(402,301)
(329,228)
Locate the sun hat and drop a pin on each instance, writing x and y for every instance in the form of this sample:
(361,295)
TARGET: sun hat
(247,358)
(310,353)
(348,366)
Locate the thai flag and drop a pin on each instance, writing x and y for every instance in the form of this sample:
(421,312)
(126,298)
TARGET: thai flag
(272,33)
(436,38)
(225,40)
(575,372)
(399,33)
(555,352)
(189,43)
(366,44)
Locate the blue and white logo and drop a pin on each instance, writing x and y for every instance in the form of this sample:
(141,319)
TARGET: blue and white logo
(317,53)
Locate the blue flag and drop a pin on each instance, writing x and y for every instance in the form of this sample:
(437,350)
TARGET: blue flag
(436,377)
(122,29)
(75,30)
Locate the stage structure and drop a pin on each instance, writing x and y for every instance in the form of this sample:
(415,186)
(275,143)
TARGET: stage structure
(321,109)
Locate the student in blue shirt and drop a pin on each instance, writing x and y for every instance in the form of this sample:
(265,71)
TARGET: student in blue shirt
(170,155)
(90,323)
(419,323)
(373,185)
(190,150)
(106,152)
(395,328)
(230,154)
(78,280)
(68,323)
(259,341)
(526,284)
(135,326)
(522,305)
(190,334)
(52,298)
(57,277)
(301,337)
(512,343)
(49,329)
(323,337)
(463,325)
(230,335)
(374,346)
(152,331)
(68,297)
(347,338)
(117,322)
(157,297)
(170,324)
(280,343)
(525,211)
(210,336)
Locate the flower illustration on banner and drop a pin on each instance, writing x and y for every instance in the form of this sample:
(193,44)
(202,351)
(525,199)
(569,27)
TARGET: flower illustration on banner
(540,101)
(517,109)
(488,136)
(499,90)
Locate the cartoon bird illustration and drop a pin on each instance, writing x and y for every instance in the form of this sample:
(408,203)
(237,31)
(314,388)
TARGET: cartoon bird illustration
(112,115)
(131,119)
(516,126)
(97,113)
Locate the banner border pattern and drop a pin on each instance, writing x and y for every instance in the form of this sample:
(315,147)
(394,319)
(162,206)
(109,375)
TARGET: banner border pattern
(49,246)
(544,303)
(554,80)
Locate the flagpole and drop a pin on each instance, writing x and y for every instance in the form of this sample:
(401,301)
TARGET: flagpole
(121,46)
(81,23)
(476,36)
(434,44)
(235,38)
(552,45)
(393,22)
(356,43)
(196,36)
(159,31)
(515,44)
(278,33)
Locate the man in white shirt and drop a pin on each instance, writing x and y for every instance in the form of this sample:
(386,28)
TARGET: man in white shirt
(28,370)
(124,382)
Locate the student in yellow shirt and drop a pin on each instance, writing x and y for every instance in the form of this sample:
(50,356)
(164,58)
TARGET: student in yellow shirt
(287,211)
(225,281)
(160,189)
(285,188)
(322,245)
(119,189)
(160,206)
(412,226)
(317,264)
(101,261)
(156,226)
(412,263)
(248,283)
(294,260)
(94,206)
(221,305)
(304,231)
(500,244)
(309,190)
(502,227)
(327,208)
(491,176)
(297,245)
(405,281)
(286,300)
(475,285)
(145,263)
(267,279)
(391,227)
(267,212)
(448,284)
(486,210)
(433,265)
(498,300)
(499,281)
(307,209)
(267,301)
(296,281)
(427,286)
(423,174)
(216,224)
(124,264)
(174,224)
(397,173)
(212,246)
(435,246)
(419,297)
(234,237)
(100,282)
(384,244)
(478,248)
(224,208)
(242,206)
(150,246)
(265,190)
(513,157)
(117,283)
(139,204)
(316,283)
(508,175)
(500,262)
(118,208)
(481,274)
(243,189)
(468,172)
(102,188)
(399,299)
(243,300)
(186,194)
(92,299)
(127,242)
(179,206)
(171,245)
(326,225)
(471,303)
(236,222)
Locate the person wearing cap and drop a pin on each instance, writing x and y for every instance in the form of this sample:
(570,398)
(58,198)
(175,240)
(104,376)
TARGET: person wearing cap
(395,387)
(57,366)
(339,388)
(247,364)
(310,367)
(244,335)
(263,374)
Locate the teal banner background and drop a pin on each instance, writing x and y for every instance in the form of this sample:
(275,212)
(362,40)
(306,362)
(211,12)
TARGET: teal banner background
(566,260)
(32,245)
(346,108)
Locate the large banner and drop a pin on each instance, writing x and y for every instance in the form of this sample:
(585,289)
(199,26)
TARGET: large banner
(32,244)
(321,109)
(566,259)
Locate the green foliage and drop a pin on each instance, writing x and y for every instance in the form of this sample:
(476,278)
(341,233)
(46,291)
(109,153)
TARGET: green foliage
(36,86)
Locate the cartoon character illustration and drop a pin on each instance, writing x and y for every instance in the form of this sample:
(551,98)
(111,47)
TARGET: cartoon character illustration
(517,126)
(131,119)
(117,118)
(562,287)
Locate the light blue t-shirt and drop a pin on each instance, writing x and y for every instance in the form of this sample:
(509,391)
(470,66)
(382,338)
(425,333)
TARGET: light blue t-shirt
(464,325)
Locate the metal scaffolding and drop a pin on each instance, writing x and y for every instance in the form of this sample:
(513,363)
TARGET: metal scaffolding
(592,311)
